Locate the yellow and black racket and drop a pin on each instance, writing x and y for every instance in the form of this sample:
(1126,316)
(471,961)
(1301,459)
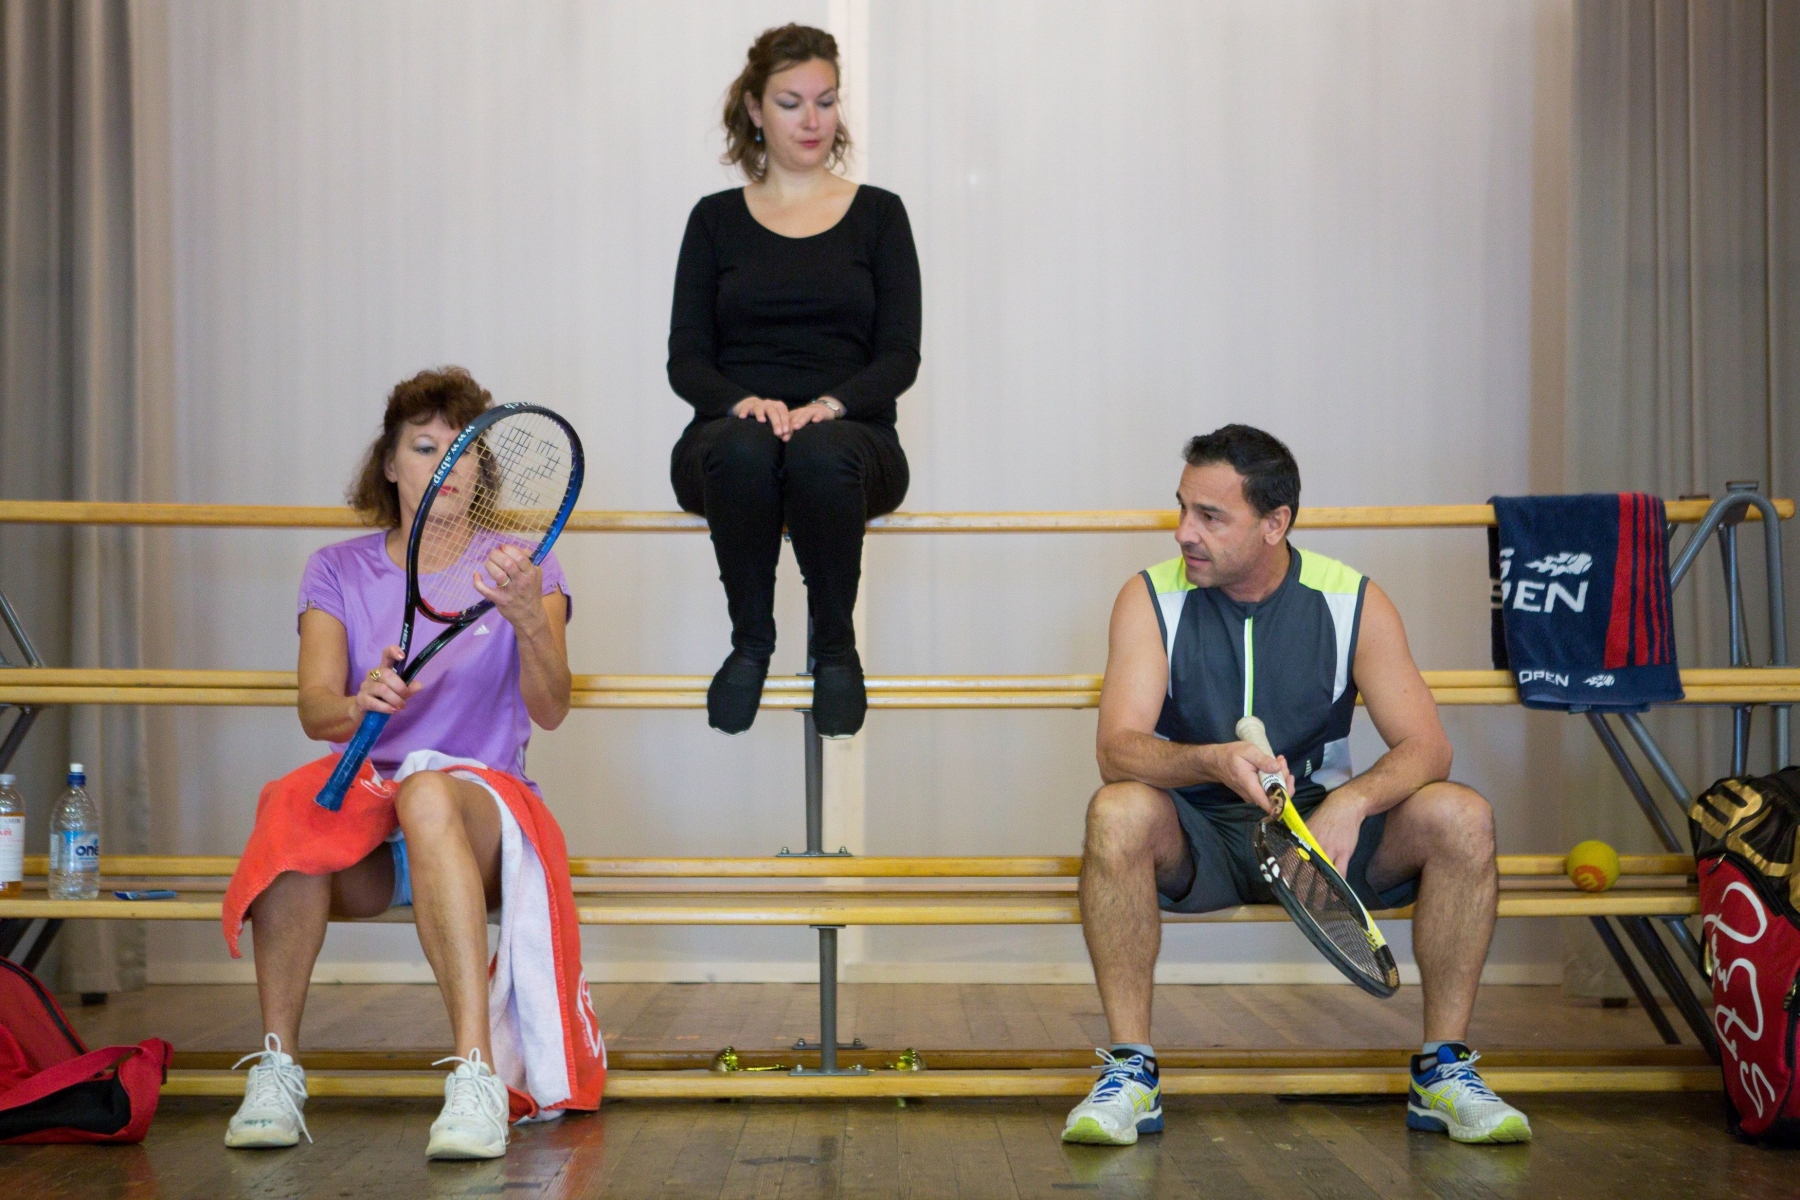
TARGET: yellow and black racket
(1310,888)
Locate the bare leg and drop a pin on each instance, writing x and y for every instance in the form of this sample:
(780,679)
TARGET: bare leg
(453,848)
(1134,843)
(288,927)
(1444,833)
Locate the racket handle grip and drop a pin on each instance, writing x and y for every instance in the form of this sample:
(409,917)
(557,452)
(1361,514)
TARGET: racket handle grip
(331,796)
(1251,730)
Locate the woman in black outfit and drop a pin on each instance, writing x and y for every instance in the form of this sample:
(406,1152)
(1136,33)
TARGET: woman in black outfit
(795,328)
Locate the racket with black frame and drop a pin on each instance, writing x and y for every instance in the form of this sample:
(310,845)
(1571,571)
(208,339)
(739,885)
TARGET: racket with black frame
(509,479)
(1311,889)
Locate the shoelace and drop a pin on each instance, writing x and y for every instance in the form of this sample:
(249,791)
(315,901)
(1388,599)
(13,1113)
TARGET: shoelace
(467,1092)
(273,1085)
(1463,1071)
(1115,1073)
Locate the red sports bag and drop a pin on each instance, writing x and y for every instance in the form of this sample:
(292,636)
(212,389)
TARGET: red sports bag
(1743,831)
(53,1088)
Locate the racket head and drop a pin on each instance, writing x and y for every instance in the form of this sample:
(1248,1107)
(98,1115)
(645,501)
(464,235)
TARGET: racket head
(511,477)
(1325,908)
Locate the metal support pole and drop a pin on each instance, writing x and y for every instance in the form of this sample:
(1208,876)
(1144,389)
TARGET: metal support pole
(1690,946)
(11,930)
(1668,972)
(1735,500)
(1740,641)
(1639,988)
(45,936)
(827,1045)
(1640,733)
(27,713)
(1628,770)
(815,787)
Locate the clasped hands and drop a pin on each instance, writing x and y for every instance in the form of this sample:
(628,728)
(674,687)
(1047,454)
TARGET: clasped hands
(1335,824)
(782,420)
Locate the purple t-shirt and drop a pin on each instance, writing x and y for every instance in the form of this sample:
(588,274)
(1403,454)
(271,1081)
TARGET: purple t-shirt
(470,705)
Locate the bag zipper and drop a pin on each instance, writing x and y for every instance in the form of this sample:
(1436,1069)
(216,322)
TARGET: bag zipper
(50,1004)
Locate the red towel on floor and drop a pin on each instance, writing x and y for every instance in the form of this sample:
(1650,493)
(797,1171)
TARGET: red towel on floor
(294,834)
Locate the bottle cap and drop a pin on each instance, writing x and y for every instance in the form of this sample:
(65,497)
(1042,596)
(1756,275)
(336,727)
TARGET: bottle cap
(77,774)
(8,780)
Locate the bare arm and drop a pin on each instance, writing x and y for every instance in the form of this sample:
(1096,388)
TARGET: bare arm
(516,586)
(326,713)
(1405,715)
(1131,698)
(544,678)
(1401,705)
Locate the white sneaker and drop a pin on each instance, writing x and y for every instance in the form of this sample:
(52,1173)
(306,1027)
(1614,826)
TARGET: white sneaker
(270,1117)
(1125,1101)
(473,1123)
(1449,1097)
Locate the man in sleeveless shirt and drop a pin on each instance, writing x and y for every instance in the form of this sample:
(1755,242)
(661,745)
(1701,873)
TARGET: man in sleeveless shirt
(1243,623)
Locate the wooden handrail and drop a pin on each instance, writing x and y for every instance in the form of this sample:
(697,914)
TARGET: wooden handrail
(276,689)
(247,516)
(152,866)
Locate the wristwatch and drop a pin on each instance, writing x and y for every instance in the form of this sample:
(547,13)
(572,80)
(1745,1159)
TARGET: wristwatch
(837,408)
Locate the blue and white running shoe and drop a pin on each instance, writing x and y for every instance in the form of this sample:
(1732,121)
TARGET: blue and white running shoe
(1125,1101)
(1449,1097)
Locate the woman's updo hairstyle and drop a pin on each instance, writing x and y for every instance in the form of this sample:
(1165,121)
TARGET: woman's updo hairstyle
(775,51)
(447,392)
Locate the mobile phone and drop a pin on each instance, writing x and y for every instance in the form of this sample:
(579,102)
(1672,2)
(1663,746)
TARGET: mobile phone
(151,894)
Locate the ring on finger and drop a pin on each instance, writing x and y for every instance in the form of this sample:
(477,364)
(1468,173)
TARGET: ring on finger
(374,674)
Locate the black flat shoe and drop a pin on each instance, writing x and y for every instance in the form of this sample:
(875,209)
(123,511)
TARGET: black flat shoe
(839,700)
(736,692)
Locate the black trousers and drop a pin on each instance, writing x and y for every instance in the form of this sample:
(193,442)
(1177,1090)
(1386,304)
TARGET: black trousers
(822,485)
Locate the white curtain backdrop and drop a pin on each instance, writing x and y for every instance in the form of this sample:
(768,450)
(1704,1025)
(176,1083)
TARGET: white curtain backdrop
(1135,222)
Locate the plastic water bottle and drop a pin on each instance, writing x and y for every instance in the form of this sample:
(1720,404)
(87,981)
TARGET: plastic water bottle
(75,842)
(12,838)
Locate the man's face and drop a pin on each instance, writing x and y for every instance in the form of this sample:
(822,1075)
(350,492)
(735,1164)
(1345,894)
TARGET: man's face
(1222,538)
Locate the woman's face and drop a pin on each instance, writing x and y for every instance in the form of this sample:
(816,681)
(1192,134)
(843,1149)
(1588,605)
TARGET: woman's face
(798,113)
(417,453)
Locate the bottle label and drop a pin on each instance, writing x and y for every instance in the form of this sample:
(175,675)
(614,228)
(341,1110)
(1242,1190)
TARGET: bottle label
(81,850)
(12,849)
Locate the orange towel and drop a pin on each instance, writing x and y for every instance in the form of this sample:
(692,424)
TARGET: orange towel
(293,833)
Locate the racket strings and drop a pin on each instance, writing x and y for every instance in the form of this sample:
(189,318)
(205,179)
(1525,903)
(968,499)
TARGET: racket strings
(1316,892)
(505,489)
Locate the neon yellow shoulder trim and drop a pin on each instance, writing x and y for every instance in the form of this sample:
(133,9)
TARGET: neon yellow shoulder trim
(1327,575)
(1171,576)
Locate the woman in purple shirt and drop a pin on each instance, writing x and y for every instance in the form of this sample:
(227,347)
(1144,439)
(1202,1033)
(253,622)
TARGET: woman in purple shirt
(476,700)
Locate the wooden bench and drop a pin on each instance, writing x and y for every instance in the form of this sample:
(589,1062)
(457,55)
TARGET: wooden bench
(812,891)
(828,891)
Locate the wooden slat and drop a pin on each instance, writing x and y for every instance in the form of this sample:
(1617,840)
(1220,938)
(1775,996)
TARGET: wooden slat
(244,516)
(272,689)
(154,866)
(1455,680)
(860,907)
(876,1058)
(930,1084)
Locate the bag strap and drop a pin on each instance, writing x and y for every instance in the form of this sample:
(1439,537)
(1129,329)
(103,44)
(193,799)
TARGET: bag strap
(66,1074)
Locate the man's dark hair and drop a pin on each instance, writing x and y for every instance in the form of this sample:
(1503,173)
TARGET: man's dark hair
(1271,476)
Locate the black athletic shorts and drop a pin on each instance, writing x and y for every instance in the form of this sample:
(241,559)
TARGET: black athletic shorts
(1224,856)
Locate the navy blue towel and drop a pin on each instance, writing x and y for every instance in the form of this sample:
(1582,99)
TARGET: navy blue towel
(1581,601)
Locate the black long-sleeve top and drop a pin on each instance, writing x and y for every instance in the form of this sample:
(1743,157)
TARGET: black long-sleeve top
(760,314)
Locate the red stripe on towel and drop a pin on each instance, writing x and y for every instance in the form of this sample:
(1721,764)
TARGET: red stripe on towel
(1618,625)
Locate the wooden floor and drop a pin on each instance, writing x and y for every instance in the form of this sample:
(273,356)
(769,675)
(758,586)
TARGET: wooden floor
(1586,1147)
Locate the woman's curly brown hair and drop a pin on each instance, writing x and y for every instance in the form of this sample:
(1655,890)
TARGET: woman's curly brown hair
(775,51)
(447,392)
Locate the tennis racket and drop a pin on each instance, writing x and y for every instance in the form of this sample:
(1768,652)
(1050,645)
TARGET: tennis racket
(509,479)
(1312,891)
